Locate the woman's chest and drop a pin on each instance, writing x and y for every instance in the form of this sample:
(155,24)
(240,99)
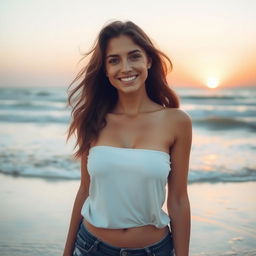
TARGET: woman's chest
(144,132)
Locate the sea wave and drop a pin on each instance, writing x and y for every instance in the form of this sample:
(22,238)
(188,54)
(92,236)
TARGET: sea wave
(222,123)
(56,167)
(214,97)
(48,117)
(64,167)
(54,172)
(245,174)
(34,94)
(31,105)
(36,118)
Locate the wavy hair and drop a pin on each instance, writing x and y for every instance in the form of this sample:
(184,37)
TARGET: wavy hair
(94,96)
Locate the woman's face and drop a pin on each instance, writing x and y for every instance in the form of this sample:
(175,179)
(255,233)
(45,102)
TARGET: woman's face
(126,64)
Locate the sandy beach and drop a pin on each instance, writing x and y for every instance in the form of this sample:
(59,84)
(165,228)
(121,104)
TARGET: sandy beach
(35,216)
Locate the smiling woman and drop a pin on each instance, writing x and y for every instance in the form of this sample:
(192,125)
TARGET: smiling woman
(127,64)
(128,124)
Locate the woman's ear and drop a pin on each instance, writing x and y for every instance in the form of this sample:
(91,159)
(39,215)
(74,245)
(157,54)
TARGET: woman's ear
(149,63)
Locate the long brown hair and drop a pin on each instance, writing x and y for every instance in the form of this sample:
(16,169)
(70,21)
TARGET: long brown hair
(94,96)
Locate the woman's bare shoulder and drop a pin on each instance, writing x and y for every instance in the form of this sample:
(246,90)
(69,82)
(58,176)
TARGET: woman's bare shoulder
(178,116)
(180,124)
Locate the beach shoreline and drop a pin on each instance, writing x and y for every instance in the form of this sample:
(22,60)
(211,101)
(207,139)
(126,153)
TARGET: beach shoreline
(36,212)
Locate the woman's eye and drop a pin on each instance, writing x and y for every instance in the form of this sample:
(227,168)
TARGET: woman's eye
(113,61)
(135,56)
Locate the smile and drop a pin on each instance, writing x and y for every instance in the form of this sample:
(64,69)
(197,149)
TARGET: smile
(128,79)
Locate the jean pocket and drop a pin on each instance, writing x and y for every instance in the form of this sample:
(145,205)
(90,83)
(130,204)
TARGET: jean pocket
(82,246)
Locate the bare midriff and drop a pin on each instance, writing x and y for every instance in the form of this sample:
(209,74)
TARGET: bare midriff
(136,237)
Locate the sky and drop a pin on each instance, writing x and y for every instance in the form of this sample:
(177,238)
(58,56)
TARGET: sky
(41,41)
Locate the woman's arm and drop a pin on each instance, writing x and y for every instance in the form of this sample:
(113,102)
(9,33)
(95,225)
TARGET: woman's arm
(76,216)
(177,201)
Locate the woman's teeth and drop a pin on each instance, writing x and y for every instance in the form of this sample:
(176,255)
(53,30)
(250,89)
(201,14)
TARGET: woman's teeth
(127,79)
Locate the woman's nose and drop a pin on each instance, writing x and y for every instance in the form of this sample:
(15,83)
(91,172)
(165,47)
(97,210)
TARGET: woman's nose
(126,66)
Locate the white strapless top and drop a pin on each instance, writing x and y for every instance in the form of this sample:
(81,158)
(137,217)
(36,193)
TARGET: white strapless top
(127,187)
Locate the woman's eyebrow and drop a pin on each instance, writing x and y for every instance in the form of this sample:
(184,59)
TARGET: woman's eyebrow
(134,51)
(129,53)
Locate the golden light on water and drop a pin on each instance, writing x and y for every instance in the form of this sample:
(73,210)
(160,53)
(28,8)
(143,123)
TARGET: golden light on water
(212,82)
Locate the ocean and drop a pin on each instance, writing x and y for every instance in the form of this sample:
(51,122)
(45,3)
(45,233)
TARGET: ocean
(34,122)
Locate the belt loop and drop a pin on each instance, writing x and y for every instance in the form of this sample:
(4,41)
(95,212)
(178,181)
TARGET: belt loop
(123,252)
(95,245)
(149,253)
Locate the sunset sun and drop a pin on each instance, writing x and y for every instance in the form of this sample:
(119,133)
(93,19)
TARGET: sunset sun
(212,82)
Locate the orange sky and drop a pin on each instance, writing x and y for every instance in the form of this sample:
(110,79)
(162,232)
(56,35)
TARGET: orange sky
(40,40)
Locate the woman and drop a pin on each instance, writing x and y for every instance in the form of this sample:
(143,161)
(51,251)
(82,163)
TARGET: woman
(132,140)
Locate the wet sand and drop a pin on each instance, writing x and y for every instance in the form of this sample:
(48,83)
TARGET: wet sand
(35,215)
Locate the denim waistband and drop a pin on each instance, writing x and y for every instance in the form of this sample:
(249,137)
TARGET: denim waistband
(114,250)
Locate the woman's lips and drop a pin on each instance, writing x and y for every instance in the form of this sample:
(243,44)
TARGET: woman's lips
(128,79)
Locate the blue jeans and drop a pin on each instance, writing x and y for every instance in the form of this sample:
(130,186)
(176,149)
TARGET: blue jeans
(87,244)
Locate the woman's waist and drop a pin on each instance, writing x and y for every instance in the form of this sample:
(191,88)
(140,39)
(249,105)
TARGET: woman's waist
(134,237)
